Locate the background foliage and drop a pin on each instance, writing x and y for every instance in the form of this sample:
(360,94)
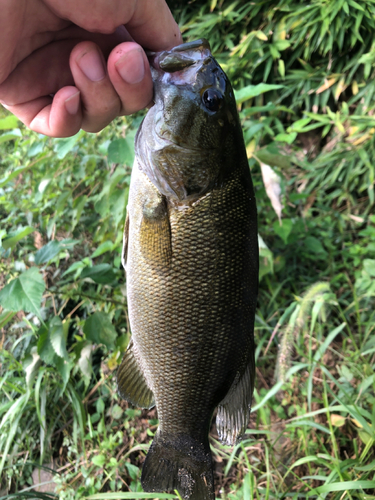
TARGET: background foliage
(304,80)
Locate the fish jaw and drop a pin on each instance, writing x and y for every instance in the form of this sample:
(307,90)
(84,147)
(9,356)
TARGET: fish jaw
(180,64)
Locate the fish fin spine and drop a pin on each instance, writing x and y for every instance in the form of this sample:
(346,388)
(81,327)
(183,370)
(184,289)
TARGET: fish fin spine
(179,462)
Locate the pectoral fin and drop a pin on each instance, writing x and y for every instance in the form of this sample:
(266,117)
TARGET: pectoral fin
(234,410)
(131,382)
(155,232)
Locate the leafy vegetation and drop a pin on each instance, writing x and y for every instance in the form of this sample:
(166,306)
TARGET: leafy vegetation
(304,79)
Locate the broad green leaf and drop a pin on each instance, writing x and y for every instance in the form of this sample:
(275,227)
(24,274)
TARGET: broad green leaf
(281,68)
(365,437)
(13,240)
(107,246)
(288,138)
(272,156)
(337,420)
(298,126)
(315,246)
(99,329)
(213,5)
(101,273)
(57,337)
(45,348)
(36,148)
(78,208)
(100,405)
(99,460)
(53,248)
(24,293)
(9,136)
(283,230)
(369,267)
(76,265)
(9,122)
(133,470)
(117,412)
(64,146)
(64,368)
(251,91)
(120,151)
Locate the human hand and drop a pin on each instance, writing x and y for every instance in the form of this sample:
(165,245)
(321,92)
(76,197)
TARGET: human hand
(71,64)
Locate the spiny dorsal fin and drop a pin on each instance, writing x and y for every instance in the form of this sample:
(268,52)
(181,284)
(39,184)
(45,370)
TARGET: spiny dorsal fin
(131,382)
(234,410)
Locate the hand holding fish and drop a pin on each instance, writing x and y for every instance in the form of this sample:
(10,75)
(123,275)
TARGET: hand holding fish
(66,65)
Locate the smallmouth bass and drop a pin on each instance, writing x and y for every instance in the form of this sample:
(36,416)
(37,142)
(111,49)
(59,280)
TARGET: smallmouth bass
(191,259)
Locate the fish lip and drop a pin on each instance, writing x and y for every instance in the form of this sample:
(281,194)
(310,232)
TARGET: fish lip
(180,57)
(196,44)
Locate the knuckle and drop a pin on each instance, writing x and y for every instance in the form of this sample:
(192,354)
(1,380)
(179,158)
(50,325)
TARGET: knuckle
(103,25)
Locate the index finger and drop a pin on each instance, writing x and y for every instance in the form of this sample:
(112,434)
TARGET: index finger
(153,26)
(149,22)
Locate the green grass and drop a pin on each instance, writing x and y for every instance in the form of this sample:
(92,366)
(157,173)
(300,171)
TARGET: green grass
(62,210)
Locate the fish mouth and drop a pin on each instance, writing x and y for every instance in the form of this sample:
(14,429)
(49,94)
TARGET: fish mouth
(180,57)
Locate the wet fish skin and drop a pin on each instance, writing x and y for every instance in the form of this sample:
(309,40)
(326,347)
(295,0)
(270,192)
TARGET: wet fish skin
(191,257)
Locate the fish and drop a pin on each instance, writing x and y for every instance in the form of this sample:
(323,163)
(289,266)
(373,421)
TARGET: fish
(191,259)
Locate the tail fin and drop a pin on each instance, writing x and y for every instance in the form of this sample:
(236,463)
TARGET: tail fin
(179,462)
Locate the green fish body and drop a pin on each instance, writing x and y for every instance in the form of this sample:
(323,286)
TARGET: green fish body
(191,258)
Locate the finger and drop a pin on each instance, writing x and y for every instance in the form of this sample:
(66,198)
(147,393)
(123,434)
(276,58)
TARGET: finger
(101,104)
(47,69)
(57,117)
(150,22)
(153,26)
(130,75)
(43,73)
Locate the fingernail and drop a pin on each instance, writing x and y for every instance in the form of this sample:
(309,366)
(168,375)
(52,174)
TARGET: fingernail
(131,66)
(72,103)
(91,64)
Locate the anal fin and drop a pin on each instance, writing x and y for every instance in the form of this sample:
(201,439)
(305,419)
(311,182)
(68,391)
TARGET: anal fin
(131,382)
(234,410)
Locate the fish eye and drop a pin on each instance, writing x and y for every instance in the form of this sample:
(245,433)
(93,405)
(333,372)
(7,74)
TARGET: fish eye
(212,99)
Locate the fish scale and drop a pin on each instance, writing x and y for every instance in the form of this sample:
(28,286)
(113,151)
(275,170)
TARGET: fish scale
(191,254)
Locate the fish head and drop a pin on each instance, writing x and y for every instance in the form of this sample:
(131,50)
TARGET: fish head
(189,140)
